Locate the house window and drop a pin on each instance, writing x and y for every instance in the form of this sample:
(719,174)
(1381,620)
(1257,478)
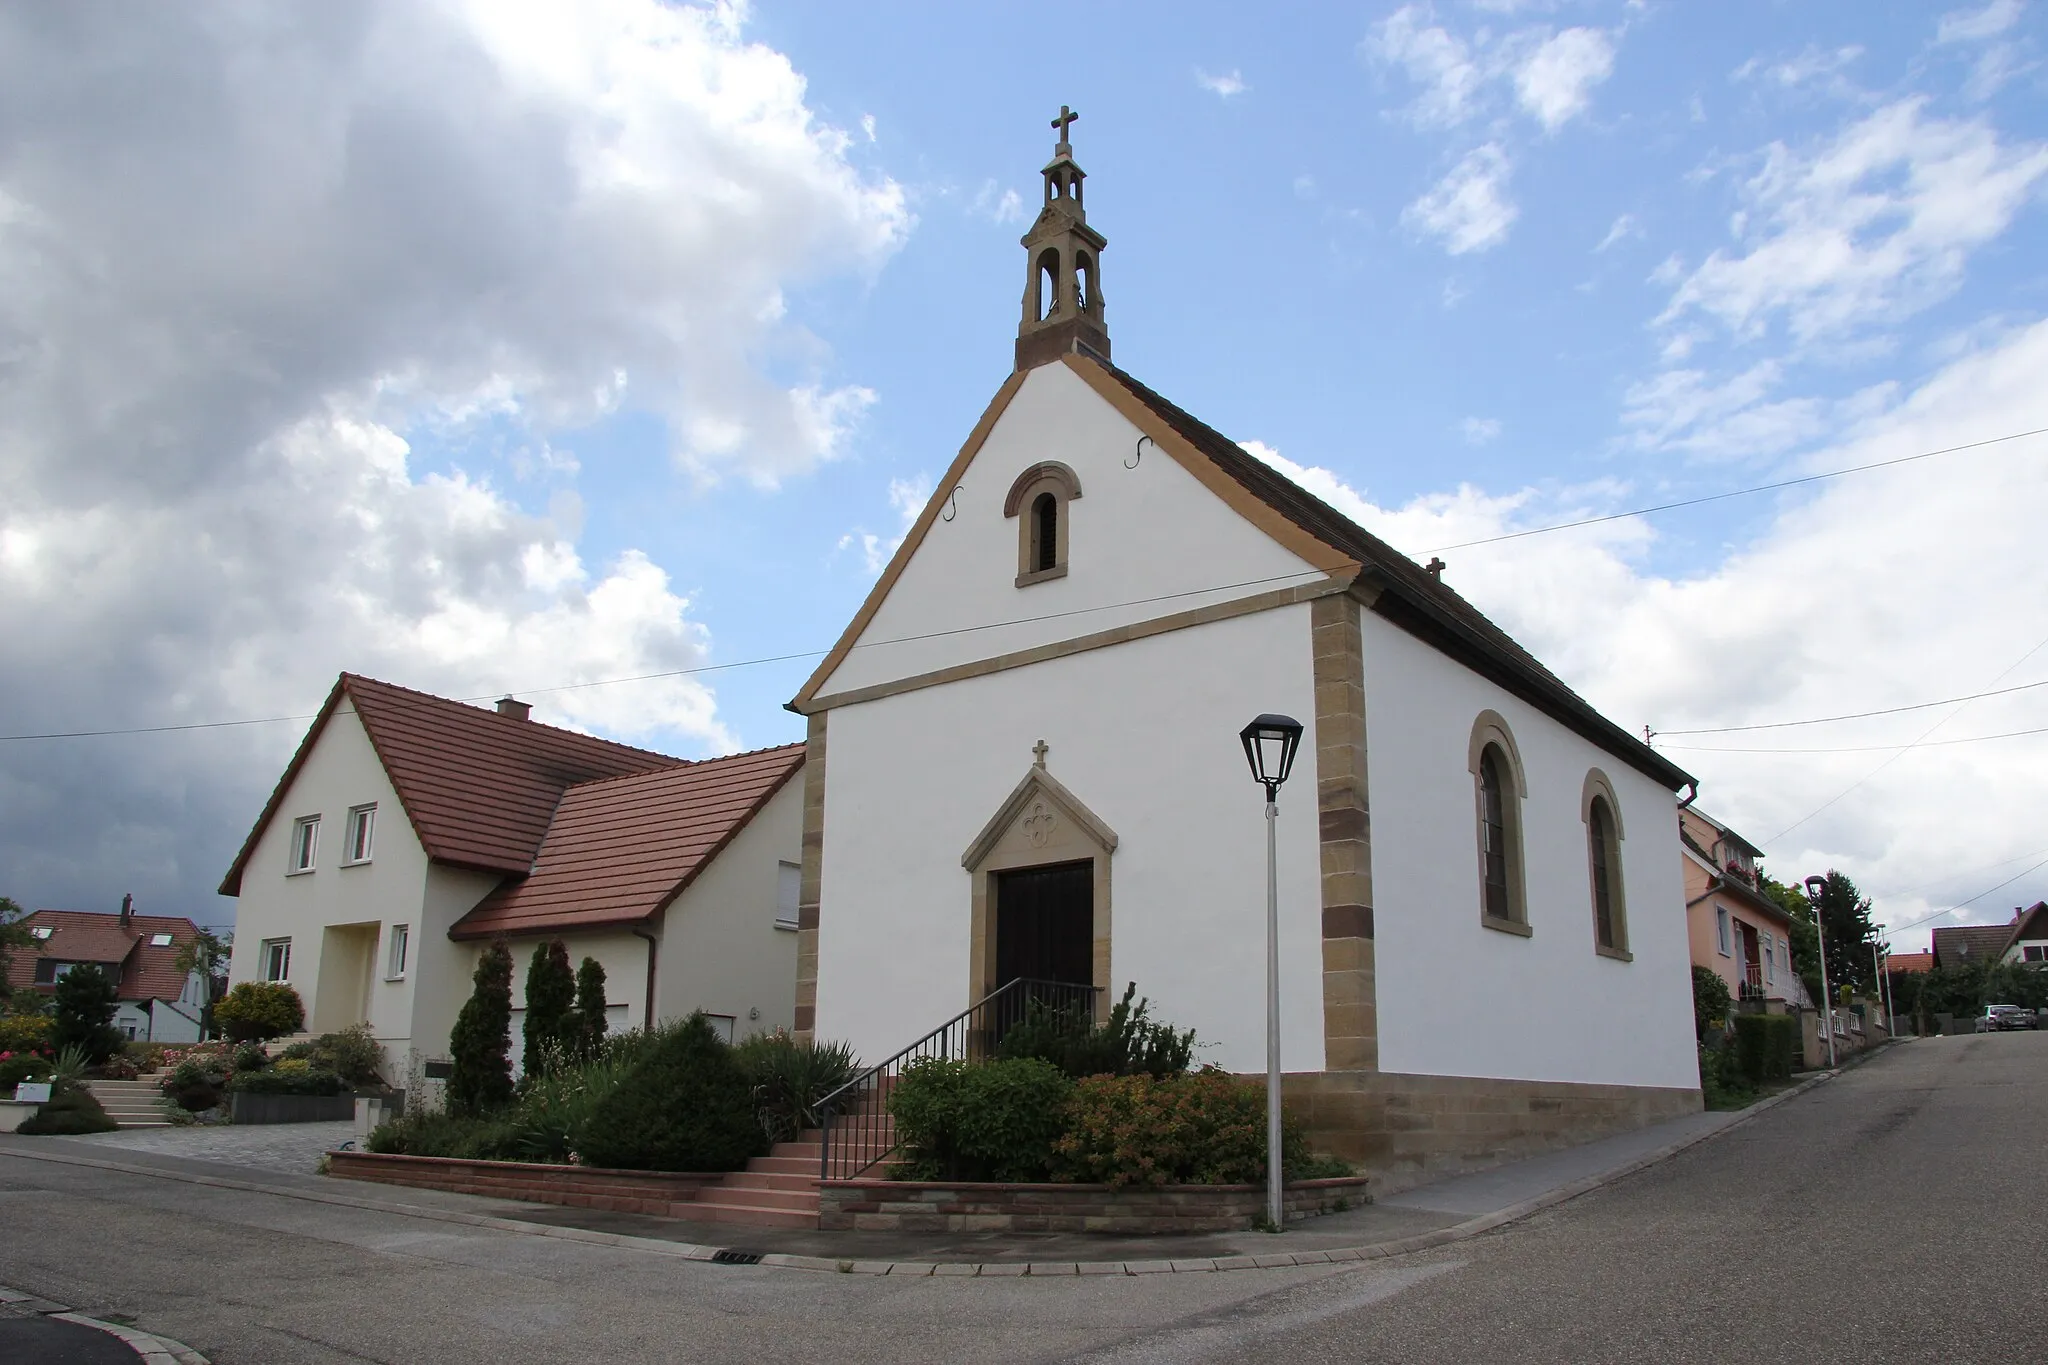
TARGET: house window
(42,931)
(1039,500)
(1602,814)
(1721,929)
(721,1024)
(362,822)
(1770,960)
(2035,952)
(159,940)
(305,844)
(789,881)
(1498,790)
(394,957)
(277,959)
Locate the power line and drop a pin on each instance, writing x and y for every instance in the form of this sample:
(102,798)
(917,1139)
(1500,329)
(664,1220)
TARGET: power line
(1853,748)
(1854,715)
(1738,492)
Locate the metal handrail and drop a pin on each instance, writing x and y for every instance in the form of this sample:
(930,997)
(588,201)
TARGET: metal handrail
(856,1131)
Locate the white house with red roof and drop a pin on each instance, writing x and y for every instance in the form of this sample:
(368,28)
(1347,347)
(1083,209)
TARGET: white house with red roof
(158,1003)
(409,829)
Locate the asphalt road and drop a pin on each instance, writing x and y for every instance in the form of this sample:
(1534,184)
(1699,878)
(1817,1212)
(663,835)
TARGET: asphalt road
(1891,1214)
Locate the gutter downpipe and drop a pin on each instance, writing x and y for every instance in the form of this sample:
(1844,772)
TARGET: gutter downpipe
(1692,793)
(653,946)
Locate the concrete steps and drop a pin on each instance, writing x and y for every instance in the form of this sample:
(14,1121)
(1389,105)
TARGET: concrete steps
(130,1104)
(780,1190)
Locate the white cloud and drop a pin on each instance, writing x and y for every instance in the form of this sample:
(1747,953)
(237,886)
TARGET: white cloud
(997,204)
(1479,430)
(1814,66)
(1228,84)
(1973,25)
(244,256)
(1469,208)
(1686,410)
(1820,613)
(907,497)
(1435,59)
(1555,82)
(1624,227)
(1871,227)
(1304,187)
(867,125)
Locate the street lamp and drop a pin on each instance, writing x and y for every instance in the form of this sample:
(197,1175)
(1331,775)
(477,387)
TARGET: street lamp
(1880,956)
(1815,887)
(1269,745)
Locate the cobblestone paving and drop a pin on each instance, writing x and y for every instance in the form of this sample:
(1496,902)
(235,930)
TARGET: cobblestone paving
(291,1147)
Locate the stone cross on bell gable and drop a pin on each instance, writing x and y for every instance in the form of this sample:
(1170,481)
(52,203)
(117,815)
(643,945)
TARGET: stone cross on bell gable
(1038,753)
(1066,117)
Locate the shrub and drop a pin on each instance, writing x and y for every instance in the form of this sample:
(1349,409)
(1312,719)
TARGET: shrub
(1764,1045)
(147,1056)
(1722,1085)
(197,1081)
(554,1107)
(257,1011)
(21,1066)
(1710,1000)
(352,1053)
(251,1056)
(71,1109)
(84,1014)
(482,1038)
(550,1003)
(978,1121)
(118,1068)
(685,1106)
(292,1076)
(432,1133)
(1204,1129)
(789,1077)
(589,1020)
(1127,1044)
(25,1033)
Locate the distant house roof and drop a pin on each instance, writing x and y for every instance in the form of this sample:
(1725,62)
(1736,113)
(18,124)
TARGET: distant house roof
(1909,962)
(143,971)
(620,850)
(1971,943)
(2030,923)
(478,787)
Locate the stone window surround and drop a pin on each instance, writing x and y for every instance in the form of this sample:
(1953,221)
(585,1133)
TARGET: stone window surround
(1490,731)
(1047,476)
(1598,787)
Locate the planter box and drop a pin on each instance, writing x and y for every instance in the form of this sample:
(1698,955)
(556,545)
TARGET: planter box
(666,1194)
(968,1206)
(14,1113)
(247,1108)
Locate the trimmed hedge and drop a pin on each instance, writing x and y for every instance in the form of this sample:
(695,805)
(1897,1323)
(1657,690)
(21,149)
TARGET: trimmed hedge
(1765,1045)
(1205,1129)
(292,1076)
(70,1110)
(979,1121)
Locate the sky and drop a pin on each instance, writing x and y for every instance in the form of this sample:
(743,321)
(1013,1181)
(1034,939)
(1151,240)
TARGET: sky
(514,347)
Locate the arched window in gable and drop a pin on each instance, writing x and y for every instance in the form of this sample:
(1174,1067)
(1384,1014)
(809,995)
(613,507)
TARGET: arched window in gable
(1498,788)
(1601,811)
(1039,500)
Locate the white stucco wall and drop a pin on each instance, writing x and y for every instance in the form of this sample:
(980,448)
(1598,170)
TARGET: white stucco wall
(721,951)
(1459,999)
(1134,534)
(1145,734)
(439,979)
(341,772)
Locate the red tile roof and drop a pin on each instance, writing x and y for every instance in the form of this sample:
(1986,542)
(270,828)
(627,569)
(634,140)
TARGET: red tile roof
(146,972)
(619,851)
(1909,962)
(478,788)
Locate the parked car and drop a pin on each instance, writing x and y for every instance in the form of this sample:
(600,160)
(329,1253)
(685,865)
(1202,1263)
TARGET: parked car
(1998,1018)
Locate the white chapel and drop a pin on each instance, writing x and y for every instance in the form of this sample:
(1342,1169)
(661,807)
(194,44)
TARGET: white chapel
(1023,762)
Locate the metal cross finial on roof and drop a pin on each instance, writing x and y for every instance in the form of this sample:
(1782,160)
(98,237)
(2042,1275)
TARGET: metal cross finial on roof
(1066,117)
(1038,753)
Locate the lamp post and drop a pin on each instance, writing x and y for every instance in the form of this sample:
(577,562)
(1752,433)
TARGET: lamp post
(1269,745)
(1880,954)
(1815,887)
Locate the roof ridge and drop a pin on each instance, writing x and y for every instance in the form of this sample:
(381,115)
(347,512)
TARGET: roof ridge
(348,677)
(692,764)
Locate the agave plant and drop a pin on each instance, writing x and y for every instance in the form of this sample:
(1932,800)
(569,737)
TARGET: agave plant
(790,1078)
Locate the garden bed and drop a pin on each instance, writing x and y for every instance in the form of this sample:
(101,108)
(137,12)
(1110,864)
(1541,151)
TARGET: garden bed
(971,1206)
(665,1194)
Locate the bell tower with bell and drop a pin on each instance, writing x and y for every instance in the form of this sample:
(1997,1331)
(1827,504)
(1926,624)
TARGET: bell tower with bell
(1063,290)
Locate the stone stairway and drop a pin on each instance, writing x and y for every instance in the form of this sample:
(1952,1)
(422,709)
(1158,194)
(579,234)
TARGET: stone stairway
(131,1104)
(780,1190)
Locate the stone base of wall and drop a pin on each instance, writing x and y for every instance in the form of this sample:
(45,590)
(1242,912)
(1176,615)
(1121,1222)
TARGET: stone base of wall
(968,1206)
(247,1108)
(1407,1130)
(666,1194)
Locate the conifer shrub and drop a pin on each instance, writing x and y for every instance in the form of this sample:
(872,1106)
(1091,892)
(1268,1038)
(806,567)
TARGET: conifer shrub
(588,1025)
(550,1007)
(481,1042)
(83,1015)
(257,1011)
(1208,1128)
(71,1109)
(978,1120)
(684,1106)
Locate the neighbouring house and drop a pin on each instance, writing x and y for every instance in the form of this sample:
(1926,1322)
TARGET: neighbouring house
(2023,939)
(139,953)
(1737,932)
(1035,772)
(1909,962)
(408,829)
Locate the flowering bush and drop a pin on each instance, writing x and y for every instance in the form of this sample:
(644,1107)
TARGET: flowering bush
(25,1033)
(292,1076)
(1208,1128)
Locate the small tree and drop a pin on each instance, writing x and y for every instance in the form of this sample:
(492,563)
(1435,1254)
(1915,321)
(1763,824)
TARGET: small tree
(589,1022)
(550,1005)
(209,955)
(257,1011)
(85,1014)
(13,934)
(1710,1000)
(482,1040)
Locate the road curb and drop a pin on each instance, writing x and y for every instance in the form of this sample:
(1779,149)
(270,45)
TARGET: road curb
(150,1348)
(690,1251)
